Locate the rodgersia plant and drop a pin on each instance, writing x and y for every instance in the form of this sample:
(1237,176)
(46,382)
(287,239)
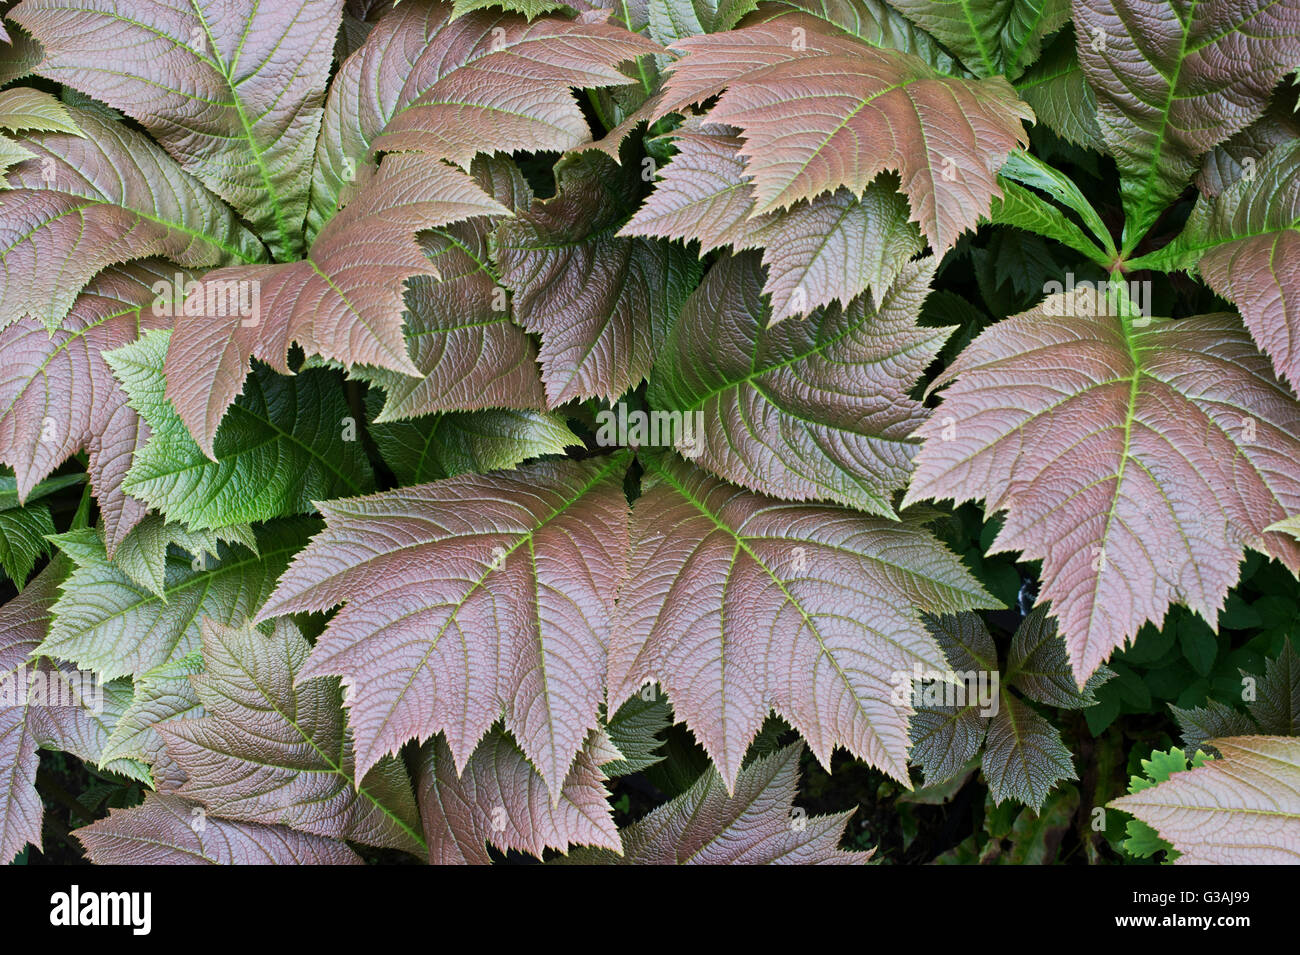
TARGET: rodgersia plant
(426,418)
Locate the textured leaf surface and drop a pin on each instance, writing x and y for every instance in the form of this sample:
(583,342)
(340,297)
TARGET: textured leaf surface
(498,798)
(273,752)
(40,705)
(466,598)
(1039,667)
(343,302)
(485,82)
(1024,757)
(991,37)
(1170,84)
(172,830)
(231,88)
(737,604)
(602,303)
(757,825)
(1241,809)
(459,332)
(1136,462)
(839,112)
(281,446)
(58,396)
(439,446)
(1060,95)
(1245,243)
(83,203)
(831,248)
(106,622)
(142,555)
(809,409)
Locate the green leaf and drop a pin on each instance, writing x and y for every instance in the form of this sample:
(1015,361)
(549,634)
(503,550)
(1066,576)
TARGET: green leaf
(634,730)
(810,409)
(1171,84)
(990,36)
(1024,757)
(438,446)
(1060,95)
(286,442)
(1022,208)
(104,621)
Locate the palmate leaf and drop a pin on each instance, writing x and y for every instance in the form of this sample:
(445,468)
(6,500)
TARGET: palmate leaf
(171,830)
(810,409)
(58,396)
(485,82)
(104,621)
(498,798)
(233,90)
(282,445)
(757,824)
(343,302)
(602,303)
(273,752)
(831,248)
(1023,756)
(832,111)
(1171,82)
(458,328)
(1240,809)
(738,604)
(86,202)
(991,37)
(467,598)
(1239,157)
(1137,459)
(1245,243)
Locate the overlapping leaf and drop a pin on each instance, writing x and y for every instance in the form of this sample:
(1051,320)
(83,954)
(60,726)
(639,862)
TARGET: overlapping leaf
(991,37)
(1136,458)
(40,705)
(86,202)
(439,446)
(1245,243)
(831,111)
(171,830)
(831,248)
(106,622)
(484,82)
(498,798)
(343,302)
(58,396)
(1173,79)
(807,410)
(233,90)
(458,328)
(285,443)
(737,604)
(1241,809)
(602,303)
(755,825)
(466,598)
(1060,95)
(1023,756)
(273,752)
